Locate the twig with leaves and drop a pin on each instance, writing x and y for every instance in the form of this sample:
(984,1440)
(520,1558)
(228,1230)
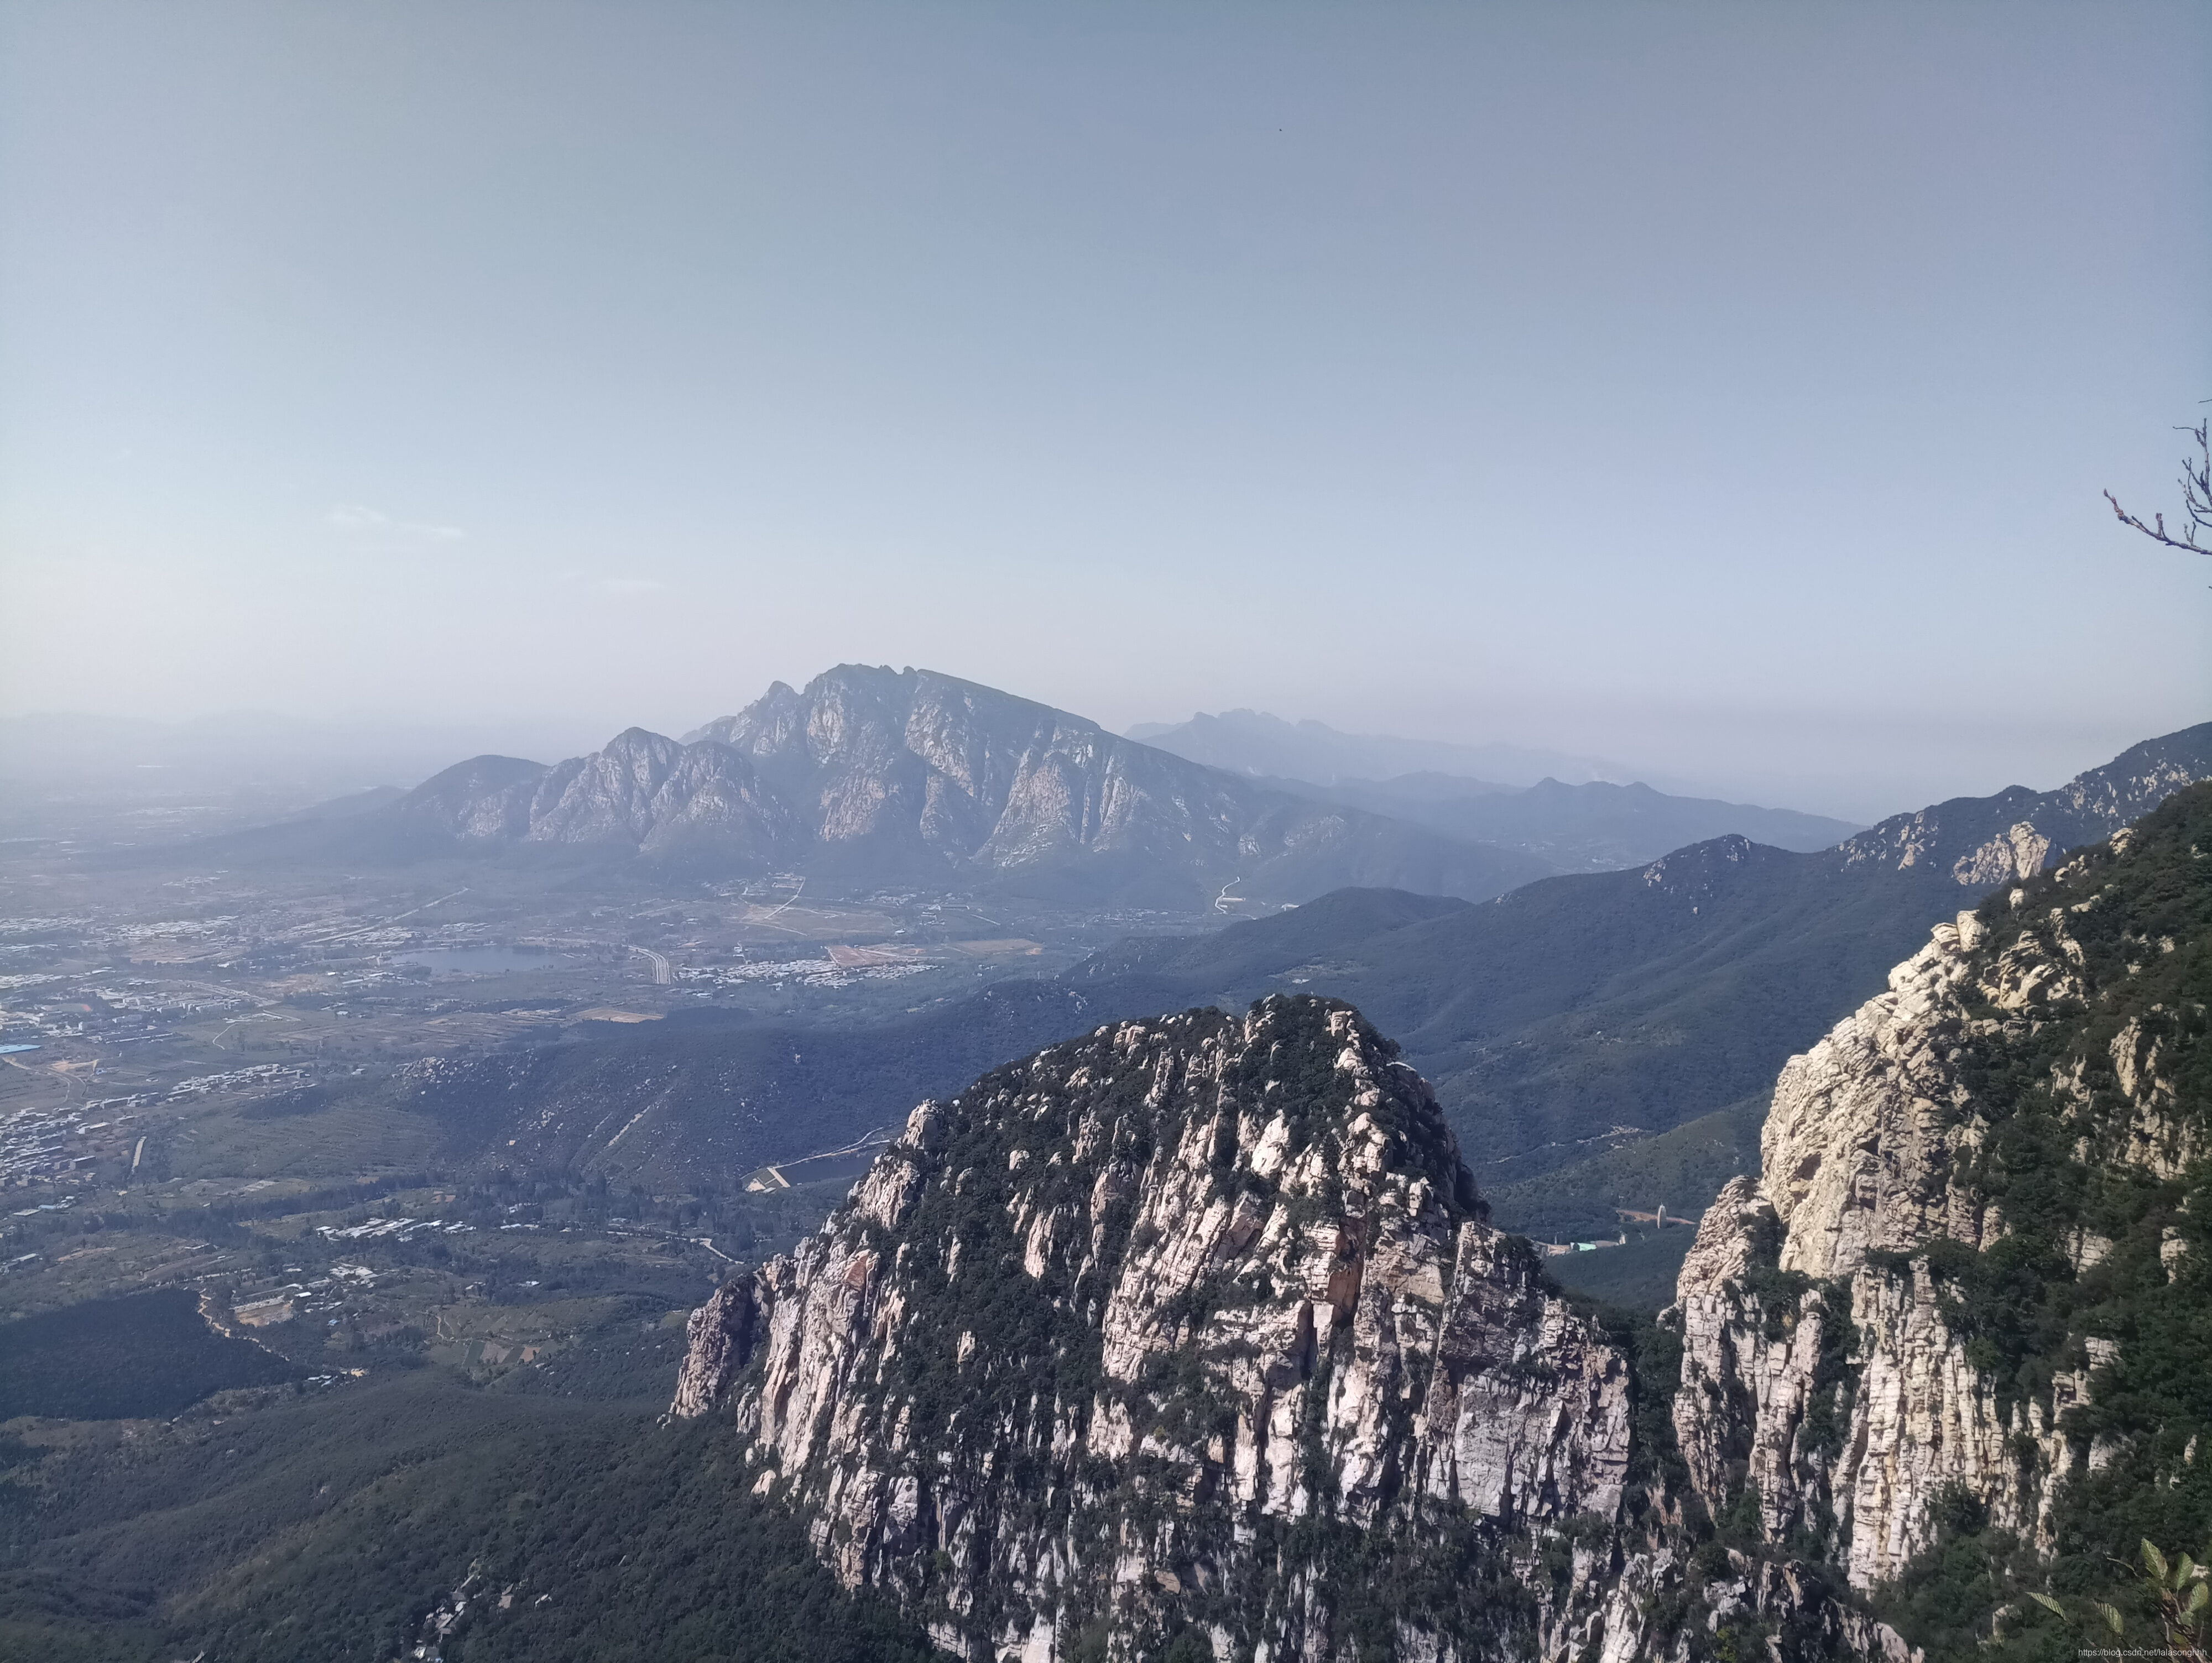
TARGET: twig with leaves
(2195,498)
(2178,1592)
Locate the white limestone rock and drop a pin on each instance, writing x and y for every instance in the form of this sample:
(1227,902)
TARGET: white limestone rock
(1236,1279)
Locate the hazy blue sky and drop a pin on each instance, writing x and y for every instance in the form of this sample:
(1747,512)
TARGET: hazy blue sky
(1726,388)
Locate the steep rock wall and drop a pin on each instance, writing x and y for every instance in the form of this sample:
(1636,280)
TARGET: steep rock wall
(1192,1323)
(1839,1359)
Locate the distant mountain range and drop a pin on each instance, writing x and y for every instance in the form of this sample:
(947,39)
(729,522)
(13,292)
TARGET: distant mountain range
(1580,1011)
(1566,1025)
(1576,813)
(1593,827)
(1254,743)
(871,775)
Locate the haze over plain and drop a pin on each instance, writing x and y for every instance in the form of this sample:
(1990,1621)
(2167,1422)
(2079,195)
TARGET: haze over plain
(1572,1112)
(1722,390)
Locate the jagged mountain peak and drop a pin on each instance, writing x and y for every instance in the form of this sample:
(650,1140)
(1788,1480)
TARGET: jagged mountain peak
(643,791)
(870,774)
(1982,840)
(1699,865)
(1194,1325)
(640,741)
(1157,1330)
(851,707)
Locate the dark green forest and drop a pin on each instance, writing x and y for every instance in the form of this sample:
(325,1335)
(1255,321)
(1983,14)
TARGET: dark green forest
(140,1354)
(333,1524)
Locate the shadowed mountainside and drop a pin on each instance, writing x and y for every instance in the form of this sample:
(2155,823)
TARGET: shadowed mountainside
(1585,1009)
(1574,1017)
(1594,826)
(1256,744)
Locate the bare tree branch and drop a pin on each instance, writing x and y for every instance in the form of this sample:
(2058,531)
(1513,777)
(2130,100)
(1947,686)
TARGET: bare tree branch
(2196,498)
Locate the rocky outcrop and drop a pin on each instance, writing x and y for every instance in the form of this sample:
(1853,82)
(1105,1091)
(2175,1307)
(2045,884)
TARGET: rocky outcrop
(1862,1139)
(718,1342)
(2020,852)
(1195,1326)
(1985,841)
(642,793)
(1165,1329)
(663,798)
(1836,1365)
(1860,1147)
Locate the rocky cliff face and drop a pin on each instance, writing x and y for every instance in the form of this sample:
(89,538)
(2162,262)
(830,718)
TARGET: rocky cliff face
(1981,1191)
(1984,840)
(1193,1324)
(643,792)
(879,775)
(975,774)
(1194,1327)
